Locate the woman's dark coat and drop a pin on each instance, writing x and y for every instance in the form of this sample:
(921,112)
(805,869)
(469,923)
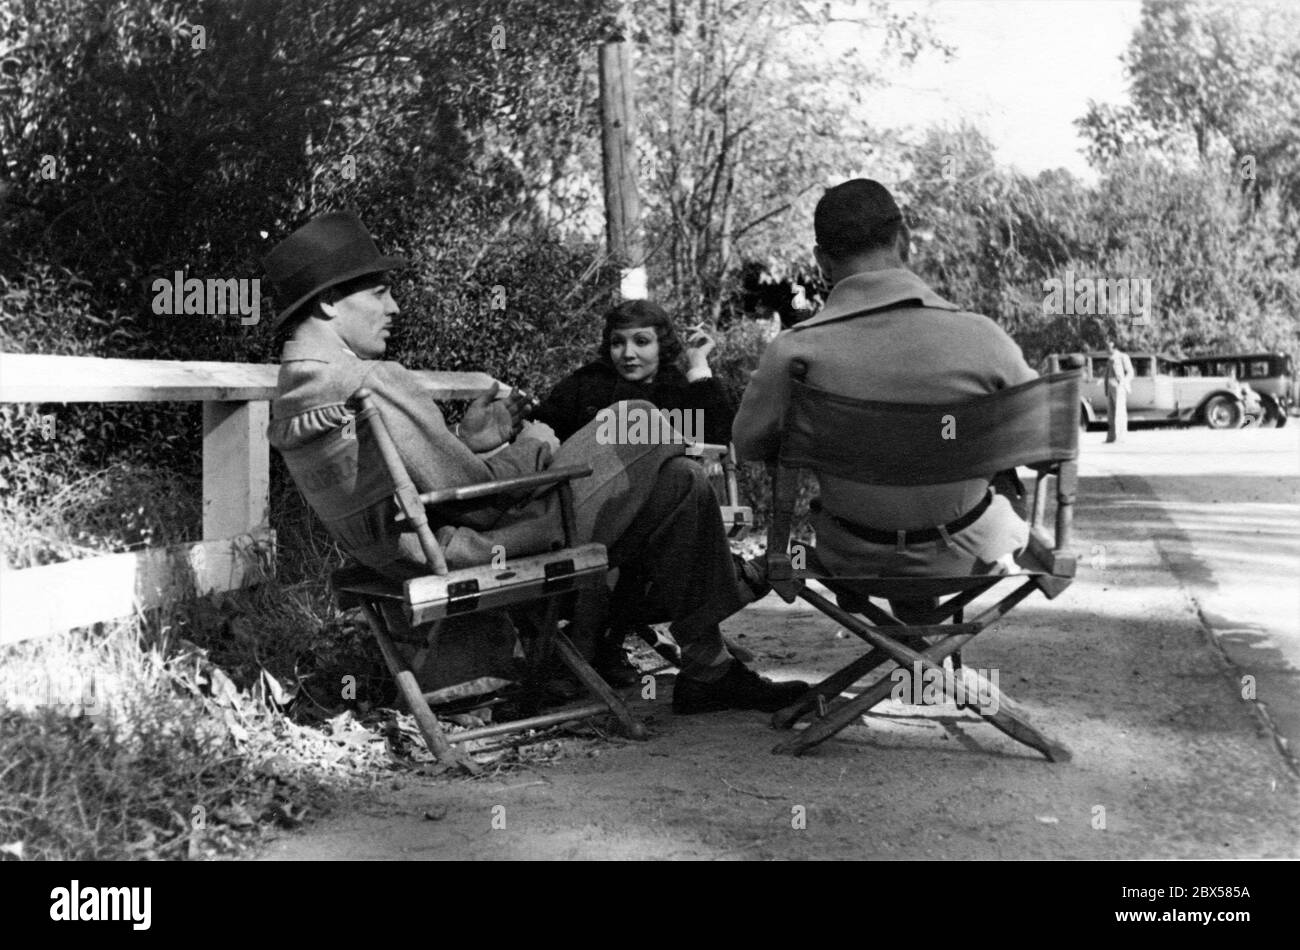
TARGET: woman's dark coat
(578,397)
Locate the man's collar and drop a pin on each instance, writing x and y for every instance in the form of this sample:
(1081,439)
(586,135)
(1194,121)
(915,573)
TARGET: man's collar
(317,349)
(875,290)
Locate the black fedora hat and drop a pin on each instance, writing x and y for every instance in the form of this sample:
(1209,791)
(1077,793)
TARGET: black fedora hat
(329,249)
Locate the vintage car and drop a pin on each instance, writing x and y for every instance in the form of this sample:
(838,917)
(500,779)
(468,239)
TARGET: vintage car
(1272,375)
(1161,393)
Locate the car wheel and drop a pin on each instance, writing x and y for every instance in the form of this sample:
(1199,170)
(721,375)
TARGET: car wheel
(1222,413)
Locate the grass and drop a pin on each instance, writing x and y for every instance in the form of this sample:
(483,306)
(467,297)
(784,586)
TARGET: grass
(195,730)
(192,731)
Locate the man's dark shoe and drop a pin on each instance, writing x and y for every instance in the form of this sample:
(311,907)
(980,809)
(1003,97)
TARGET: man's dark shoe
(612,664)
(740,688)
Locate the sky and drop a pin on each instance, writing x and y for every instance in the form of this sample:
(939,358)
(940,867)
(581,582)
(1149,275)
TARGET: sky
(1023,72)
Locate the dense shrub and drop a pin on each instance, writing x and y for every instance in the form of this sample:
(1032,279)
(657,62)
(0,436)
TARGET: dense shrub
(524,309)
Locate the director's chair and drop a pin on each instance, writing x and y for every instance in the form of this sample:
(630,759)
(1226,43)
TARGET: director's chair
(529,586)
(880,443)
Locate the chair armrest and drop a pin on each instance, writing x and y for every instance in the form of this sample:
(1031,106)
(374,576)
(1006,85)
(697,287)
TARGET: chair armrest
(506,485)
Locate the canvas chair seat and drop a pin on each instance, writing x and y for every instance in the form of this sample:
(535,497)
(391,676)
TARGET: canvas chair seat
(1034,424)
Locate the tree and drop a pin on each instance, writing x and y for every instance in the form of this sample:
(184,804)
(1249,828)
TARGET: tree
(138,138)
(745,117)
(1220,82)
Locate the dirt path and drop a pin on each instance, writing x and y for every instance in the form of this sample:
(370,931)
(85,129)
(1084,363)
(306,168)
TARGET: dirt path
(1120,668)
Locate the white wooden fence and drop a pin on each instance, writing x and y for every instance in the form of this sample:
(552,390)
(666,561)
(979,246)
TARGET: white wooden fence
(39,601)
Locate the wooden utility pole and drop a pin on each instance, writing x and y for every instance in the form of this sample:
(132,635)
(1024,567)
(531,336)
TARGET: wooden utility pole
(618,144)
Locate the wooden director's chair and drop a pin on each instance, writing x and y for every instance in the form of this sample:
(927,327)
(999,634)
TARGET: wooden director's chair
(531,583)
(879,443)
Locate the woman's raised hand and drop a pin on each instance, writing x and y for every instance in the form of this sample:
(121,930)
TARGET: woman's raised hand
(698,346)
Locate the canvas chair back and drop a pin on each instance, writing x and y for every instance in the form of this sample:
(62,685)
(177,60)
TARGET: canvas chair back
(341,473)
(885,443)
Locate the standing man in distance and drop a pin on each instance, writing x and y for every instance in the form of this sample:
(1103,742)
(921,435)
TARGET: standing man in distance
(1119,383)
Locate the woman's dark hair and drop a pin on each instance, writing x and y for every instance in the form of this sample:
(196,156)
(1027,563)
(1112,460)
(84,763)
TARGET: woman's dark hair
(642,313)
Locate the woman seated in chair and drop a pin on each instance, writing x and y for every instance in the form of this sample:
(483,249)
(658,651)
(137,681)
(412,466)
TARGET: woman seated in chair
(641,357)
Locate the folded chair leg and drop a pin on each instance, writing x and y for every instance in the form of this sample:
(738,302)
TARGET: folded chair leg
(1002,713)
(957,617)
(828,688)
(410,690)
(1010,717)
(591,679)
(847,713)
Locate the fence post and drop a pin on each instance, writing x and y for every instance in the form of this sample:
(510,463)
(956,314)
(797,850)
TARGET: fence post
(236,469)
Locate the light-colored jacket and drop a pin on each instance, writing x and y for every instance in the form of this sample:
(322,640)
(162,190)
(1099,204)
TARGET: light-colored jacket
(1119,372)
(316,380)
(884,335)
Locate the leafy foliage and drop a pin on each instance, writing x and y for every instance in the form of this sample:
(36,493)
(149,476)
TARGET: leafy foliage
(1220,81)
(743,118)
(1222,270)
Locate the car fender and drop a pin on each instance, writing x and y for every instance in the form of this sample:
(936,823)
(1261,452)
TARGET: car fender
(1271,401)
(1199,412)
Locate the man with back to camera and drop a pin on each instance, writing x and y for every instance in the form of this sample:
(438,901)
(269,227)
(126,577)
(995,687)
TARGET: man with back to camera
(884,335)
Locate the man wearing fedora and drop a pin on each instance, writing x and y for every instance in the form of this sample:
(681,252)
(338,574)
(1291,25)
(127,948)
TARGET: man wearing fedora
(884,335)
(648,504)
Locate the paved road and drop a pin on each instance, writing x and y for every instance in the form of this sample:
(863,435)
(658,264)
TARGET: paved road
(1222,509)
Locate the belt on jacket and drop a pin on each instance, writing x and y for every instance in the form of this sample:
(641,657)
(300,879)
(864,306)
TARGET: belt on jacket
(917,536)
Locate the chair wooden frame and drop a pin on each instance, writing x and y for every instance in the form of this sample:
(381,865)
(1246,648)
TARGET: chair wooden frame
(720,463)
(524,583)
(1035,424)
